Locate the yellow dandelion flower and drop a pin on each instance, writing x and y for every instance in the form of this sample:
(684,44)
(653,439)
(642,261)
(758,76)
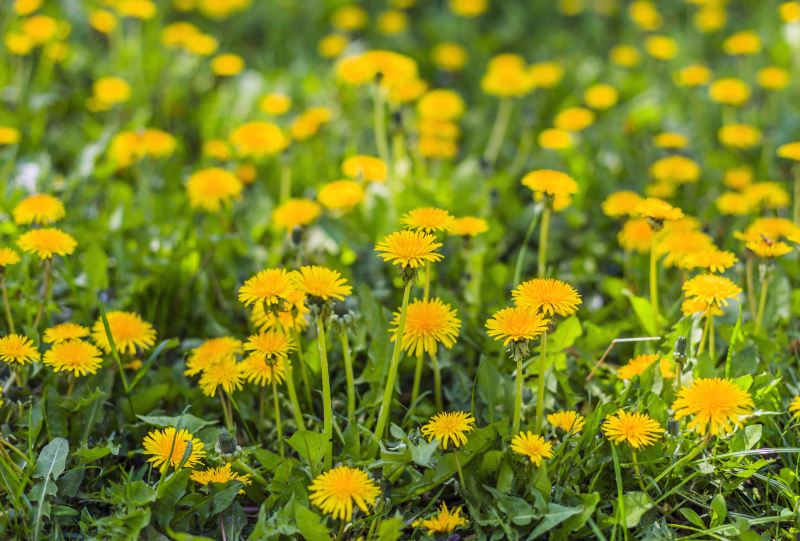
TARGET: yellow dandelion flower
(738,178)
(46,242)
(427,323)
(38,209)
(8,257)
(209,189)
(450,56)
(545,74)
(711,289)
(768,249)
(670,140)
(710,18)
(638,429)
(661,47)
(621,204)
(569,421)
(516,324)
(789,11)
(739,136)
(331,46)
(742,43)
(441,104)
(309,123)
(444,521)
(350,17)
(532,446)
(449,428)
(729,91)
(675,169)
(574,119)
(645,15)
(625,56)
(694,306)
(790,151)
(773,78)
(269,344)
(15,348)
(736,204)
(772,228)
(428,219)
(9,136)
(257,369)
(409,248)
(549,182)
(469,226)
(716,405)
(637,366)
(275,103)
(76,355)
(675,246)
(158,443)
(227,64)
(65,331)
(267,287)
(666,367)
(767,193)
(336,491)
(548,296)
(341,194)
(712,260)
(26,7)
(258,139)
(693,75)
(636,235)
(227,373)
(295,213)
(321,283)
(211,352)
(139,9)
(128,330)
(217,149)
(658,210)
(794,407)
(365,167)
(601,97)
(223,474)
(554,138)
(469,8)
(294,315)
(102,21)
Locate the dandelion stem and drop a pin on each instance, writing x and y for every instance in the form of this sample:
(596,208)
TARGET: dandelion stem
(228,417)
(303,372)
(518,393)
(523,250)
(71,384)
(437,382)
(540,396)
(638,474)
(751,296)
(348,368)
(326,394)
(543,232)
(47,263)
(797,196)
(277,414)
(654,282)
(383,415)
(762,303)
(705,332)
(298,413)
(711,334)
(381,142)
(417,376)
(261,411)
(458,467)
(9,319)
(286,181)
(498,131)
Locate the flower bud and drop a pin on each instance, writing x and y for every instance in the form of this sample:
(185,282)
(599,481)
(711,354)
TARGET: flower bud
(226,443)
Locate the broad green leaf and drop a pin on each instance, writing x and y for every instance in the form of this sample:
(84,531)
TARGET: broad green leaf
(718,511)
(309,445)
(189,422)
(182,536)
(556,514)
(636,505)
(692,517)
(310,524)
(141,493)
(644,311)
(390,529)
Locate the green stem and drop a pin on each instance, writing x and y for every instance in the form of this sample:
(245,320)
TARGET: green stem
(417,376)
(303,372)
(518,394)
(348,368)
(326,394)
(654,282)
(751,295)
(498,130)
(380,128)
(543,232)
(711,334)
(797,198)
(261,401)
(762,304)
(427,290)
(277,414)
(9,319)
(523,250)
(226,412)
(286,181)
(298,413)
(47,263)
(705,332)
(458,468)
(383,416)
(540,397)
(241,467)
(685,459)
(638,474)
(437,382)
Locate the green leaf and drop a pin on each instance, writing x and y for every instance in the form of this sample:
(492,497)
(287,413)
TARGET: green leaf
(565,335)
(150,360)
(423,453)
(113,347)
(390,529)
(181,536)
(54,413)
(636,505)
(352,441)
(589,502)
(86,455)
(233,521)
(69,483)
(644,311)
(728,371)
(309,445)
(141,493)
(41,490)
(52,460)
(718,511)
(692,517)
(169,493)
(556,514)
(310,525)
(268,459)
(516,509)
(189,422)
